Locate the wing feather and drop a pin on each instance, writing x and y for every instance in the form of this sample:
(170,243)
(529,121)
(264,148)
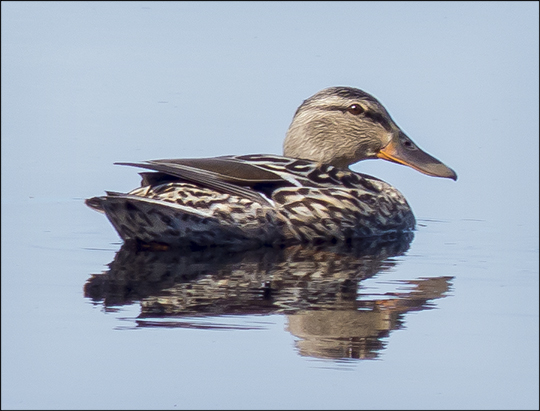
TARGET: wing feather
(223,174)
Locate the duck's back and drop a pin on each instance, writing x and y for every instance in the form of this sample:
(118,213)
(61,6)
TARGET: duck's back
(252,200)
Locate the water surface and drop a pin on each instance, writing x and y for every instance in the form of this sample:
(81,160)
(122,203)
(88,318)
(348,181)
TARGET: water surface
(447,318)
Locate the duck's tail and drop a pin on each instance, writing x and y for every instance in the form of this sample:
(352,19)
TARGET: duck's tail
(152,220)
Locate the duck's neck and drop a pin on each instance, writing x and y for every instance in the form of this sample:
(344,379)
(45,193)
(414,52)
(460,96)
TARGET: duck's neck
(327,142)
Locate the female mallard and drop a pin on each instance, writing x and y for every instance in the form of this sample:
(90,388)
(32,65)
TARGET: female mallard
(308,195)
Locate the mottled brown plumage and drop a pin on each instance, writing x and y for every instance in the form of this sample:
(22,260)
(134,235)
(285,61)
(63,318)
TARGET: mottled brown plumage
(306,196)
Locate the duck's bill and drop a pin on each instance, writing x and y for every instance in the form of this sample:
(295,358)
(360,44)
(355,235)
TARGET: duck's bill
(402,150)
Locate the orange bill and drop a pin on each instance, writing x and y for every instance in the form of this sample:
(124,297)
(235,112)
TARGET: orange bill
(402,150)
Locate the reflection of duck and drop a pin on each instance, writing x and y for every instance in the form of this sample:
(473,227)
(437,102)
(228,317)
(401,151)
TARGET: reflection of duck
(319,289)
(258,274)
(358,333)
(309,195)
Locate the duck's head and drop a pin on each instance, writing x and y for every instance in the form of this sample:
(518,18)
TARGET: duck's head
(343,125)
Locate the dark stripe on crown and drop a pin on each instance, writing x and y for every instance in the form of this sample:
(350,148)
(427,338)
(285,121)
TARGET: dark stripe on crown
(351,94)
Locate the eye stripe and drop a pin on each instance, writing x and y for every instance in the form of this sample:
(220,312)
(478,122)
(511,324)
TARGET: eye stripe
(378,118)
(368,112)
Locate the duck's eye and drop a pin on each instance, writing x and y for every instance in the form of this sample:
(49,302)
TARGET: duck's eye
(355,109)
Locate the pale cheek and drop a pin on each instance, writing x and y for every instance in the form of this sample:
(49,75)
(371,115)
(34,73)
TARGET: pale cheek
(385,139)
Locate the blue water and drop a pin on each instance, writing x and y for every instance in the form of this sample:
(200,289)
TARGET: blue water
(447,319)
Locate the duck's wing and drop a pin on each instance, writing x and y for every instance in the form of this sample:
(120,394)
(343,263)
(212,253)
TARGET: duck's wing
(254,176)
(229,174)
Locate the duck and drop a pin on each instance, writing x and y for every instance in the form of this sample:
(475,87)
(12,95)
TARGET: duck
(307,195)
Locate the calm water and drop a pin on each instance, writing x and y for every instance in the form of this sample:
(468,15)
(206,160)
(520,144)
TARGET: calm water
(444,318)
